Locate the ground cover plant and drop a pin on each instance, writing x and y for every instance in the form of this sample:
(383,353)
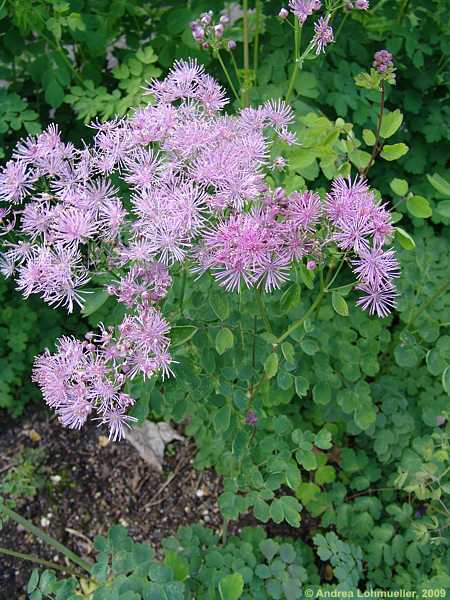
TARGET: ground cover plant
(255,265)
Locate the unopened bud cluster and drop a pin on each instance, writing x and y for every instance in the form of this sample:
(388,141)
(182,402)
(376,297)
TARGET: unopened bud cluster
(358,4)
(209,33)
(382,61)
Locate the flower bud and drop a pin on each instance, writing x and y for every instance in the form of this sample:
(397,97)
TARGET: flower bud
(251,418)
(311,265)
(231,45)
(284,13)
(206,18)
(218,31)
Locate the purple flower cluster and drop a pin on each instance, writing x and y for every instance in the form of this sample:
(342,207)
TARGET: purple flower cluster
(85,378)
(196,189)
(361,226)
(257,247)
(382,61)
(303,9)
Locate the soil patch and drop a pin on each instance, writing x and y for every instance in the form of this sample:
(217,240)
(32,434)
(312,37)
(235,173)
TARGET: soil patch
(91,485)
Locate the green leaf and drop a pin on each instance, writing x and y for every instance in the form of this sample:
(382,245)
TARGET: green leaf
(290,298)
(287,553)
(222,419)
(178,564)
(262,571)
(33,581)
(419,207)
(307,459)
(93,301)
(323,439)
(399,186)
(440,184)
(446,380)
(406,241)
(220,305)
(369,137)
(443,208)
(394,151)
(54,93)
(224,340)
(288,352)
(359,158)
(276,511)
(365,415)
(269,548)
(231,586)
(325,474)
(321,393)
(339,304)
(261,510)
(180,334)
(291,508)
(301,386)
(390,123)
(271,365)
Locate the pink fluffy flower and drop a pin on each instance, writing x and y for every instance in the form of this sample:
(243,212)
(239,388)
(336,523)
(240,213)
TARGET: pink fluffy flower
(323,34)
(178,181)
(302,9)
(16,181)
(377,299)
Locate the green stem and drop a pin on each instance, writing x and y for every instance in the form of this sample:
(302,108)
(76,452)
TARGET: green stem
(297,42)
(426,304)
(376,146)
(340,287)
(38,560)
(57,46)
(339,29)
(183,290)
(227,75)
(252,380)
(246,87)
(336,273)
(235,67)
(258,26)
(225,531)
(296,324)
(317,302)
(402,10)
(28,526)
(262,310)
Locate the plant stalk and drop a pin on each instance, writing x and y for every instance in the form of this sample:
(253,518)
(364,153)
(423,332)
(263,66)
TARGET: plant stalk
(38,560)
(428,303)
(28,526)
(296,324)
(246,87)
(257,33)
(227,75)
(376,148)
(263,311)
(297,42)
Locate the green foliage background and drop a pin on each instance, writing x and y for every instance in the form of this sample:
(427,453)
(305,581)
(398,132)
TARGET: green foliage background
(353,412)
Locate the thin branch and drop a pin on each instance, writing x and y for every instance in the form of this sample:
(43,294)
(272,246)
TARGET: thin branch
(28,526)
(376,147)
(38,560)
